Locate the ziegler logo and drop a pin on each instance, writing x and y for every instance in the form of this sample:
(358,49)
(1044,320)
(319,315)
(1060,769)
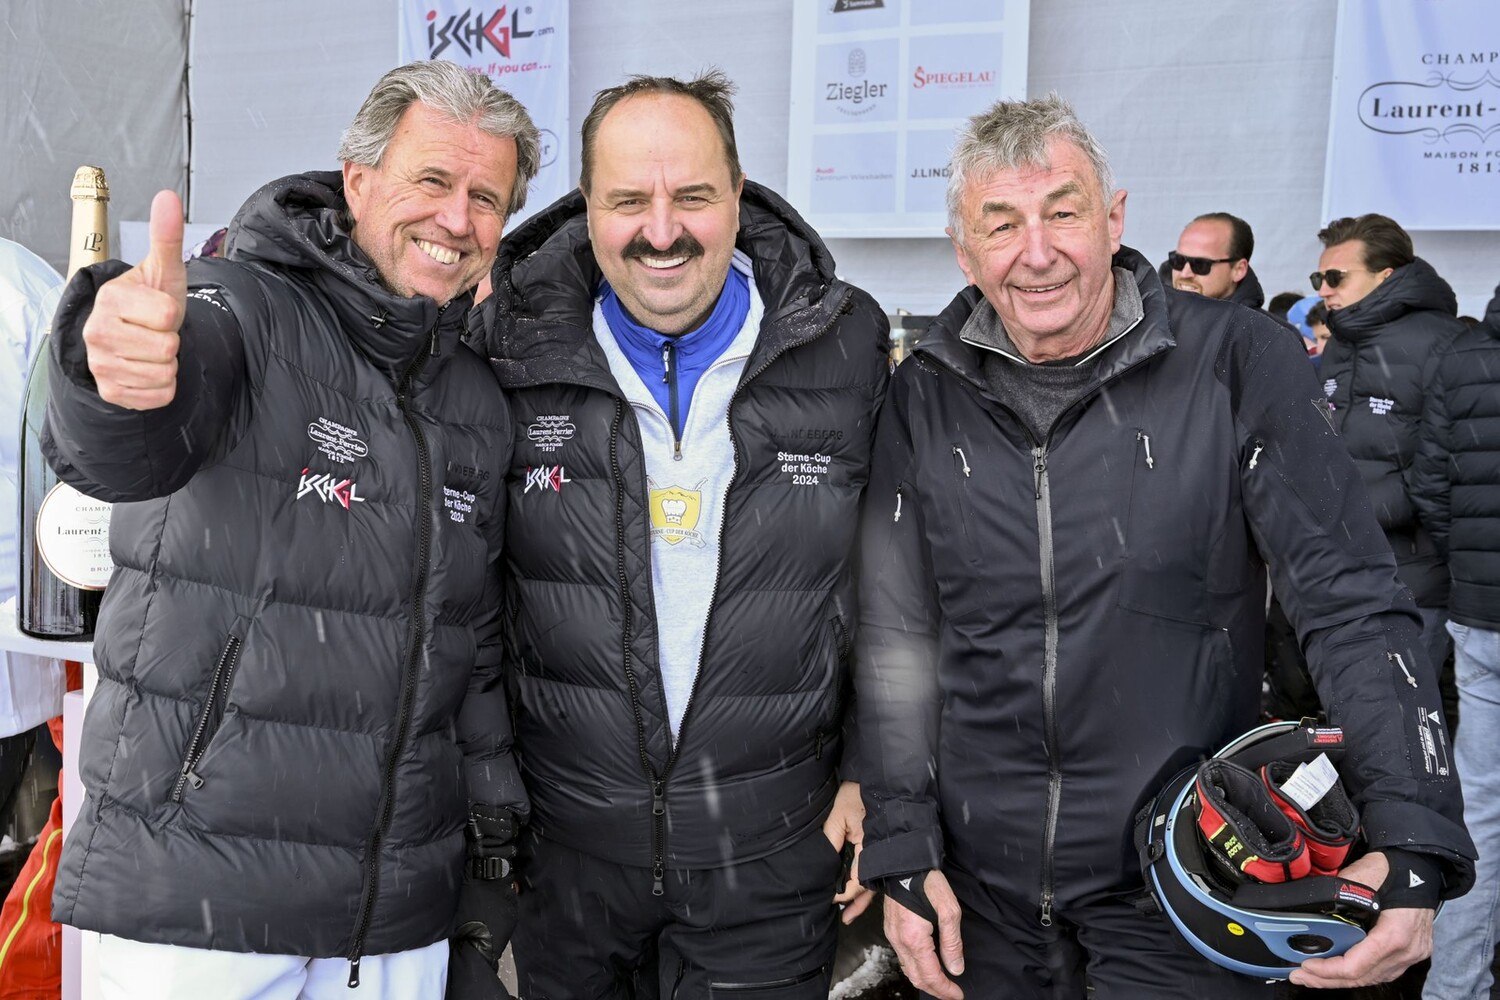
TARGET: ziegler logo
(328,489)
(546,477)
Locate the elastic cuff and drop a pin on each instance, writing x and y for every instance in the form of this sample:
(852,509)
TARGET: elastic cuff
(1415,880)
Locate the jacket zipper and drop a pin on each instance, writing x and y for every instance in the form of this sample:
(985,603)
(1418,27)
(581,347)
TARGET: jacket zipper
(218,691)
(659,790)
(1049,674)
(658,785)
(417,633)
(669,376)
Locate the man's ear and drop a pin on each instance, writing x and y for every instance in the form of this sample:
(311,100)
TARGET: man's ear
(1116,219)
(1239,269)
(962,255)
(356,187)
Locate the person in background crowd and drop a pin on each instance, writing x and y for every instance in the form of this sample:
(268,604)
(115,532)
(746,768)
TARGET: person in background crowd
(31,687)
(1317,321)
(1079,480)
(1456,487)
(1281,302)
(1213,259)
(695,395)
(300,712)
(1390,316)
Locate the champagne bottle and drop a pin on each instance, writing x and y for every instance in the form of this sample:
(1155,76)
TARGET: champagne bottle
(64,539)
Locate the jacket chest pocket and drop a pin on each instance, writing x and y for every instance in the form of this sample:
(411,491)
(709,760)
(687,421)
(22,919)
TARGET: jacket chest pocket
(1185,536)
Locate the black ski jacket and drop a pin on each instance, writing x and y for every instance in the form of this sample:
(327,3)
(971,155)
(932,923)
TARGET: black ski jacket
(299,659)
(753,766)
(1375,370)
(1457,475)
(1050,629)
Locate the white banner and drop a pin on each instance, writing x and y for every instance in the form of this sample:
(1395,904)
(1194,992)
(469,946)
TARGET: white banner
(878,88)
(1414,131)
(523,47)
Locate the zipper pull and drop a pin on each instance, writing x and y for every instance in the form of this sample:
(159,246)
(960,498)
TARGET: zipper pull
(432,346)
(1145,440)
(658,799)
(354,973)
(658,872)
(1396,659)
(1041,469)
(818,746)
(666,361)
(1255,455)
(897,518)
(960,453)
(1047,909)
(676,448)
(192,776)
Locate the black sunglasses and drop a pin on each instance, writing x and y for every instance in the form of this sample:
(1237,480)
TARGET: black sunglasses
(1200,265)
(1332,276)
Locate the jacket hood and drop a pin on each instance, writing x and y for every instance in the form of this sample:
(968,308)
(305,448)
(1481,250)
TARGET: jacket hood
(1248,292)
(1151,335)
(1492,315)
(1411,288)
(301,222)
(545,278)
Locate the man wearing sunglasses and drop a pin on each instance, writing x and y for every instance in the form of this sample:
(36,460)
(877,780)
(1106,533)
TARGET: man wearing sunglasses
(1213,259)
(1391,316)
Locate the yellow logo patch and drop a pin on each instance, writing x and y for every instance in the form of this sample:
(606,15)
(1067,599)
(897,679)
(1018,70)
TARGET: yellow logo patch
(675,511)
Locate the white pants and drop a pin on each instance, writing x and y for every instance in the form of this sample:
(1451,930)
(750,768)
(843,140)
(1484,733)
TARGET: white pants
(131,970)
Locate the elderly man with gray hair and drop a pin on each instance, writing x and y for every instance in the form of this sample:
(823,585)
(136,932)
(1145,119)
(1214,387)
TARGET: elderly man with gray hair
(299,749)
(1079,481)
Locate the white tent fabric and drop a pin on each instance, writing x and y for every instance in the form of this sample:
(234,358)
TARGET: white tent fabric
(1219,107)
(87,83)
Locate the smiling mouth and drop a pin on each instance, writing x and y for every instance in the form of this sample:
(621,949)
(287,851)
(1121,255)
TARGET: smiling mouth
(443,255)
(661,264)
(1039,289)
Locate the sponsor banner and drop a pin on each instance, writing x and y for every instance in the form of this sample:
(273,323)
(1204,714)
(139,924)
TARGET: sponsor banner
(878,89)
(1414,129)
(523,47)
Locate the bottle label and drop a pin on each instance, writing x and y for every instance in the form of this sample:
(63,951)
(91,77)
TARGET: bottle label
(72,532)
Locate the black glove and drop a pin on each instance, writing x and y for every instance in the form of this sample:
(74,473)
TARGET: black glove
(487,907)
(491,834)
(486,918)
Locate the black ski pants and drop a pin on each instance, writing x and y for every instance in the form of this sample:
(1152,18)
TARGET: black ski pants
(1102,948)
(760,930)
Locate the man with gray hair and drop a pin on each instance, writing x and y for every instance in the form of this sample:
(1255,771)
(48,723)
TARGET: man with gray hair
(299,749)
(1078,483)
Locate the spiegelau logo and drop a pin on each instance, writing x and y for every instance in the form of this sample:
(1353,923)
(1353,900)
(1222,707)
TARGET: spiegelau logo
(951,78)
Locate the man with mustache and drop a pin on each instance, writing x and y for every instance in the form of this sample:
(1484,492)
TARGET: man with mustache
(694,393)
(300,734)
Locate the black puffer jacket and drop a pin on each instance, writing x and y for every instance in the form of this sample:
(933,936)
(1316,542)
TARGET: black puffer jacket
(1051,629)
(753,766)
(307,543)
(1457,481)
(1382,353)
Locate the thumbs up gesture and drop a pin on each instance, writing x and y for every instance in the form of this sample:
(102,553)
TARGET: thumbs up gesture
(132,335)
